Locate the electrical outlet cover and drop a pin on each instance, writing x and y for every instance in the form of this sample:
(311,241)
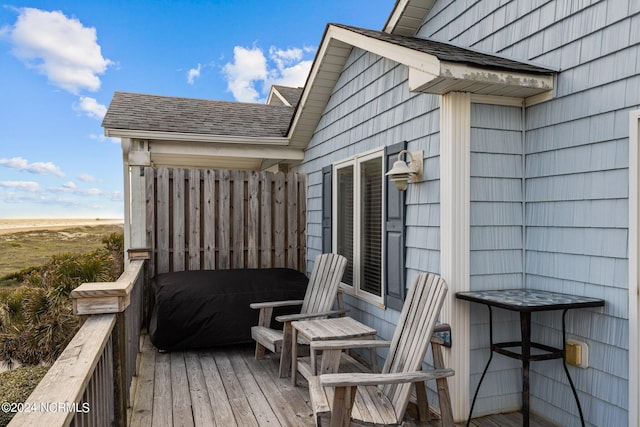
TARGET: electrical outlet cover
(583,349)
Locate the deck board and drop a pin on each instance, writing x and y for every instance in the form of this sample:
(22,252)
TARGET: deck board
(227,387)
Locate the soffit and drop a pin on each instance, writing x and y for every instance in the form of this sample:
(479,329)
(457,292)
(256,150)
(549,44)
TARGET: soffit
(434,67)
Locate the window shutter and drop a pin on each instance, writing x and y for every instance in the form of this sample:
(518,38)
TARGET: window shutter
(326,208)
(394,235)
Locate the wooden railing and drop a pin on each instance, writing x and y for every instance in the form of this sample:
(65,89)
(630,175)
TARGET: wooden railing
(89,383)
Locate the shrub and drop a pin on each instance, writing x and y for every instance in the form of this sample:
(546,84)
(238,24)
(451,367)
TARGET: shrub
(16,386)
(36,319)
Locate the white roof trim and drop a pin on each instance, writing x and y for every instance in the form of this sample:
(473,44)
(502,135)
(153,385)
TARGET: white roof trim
(407,16)
(195,137)
(426,74)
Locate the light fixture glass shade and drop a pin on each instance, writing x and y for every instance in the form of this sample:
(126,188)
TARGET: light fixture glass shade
(401,173)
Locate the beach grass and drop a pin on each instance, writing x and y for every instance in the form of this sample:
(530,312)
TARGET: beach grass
(22,250)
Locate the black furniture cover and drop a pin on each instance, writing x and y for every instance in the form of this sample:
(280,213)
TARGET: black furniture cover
(206,308)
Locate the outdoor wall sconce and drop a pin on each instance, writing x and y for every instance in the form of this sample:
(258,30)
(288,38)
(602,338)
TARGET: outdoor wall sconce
(401,173)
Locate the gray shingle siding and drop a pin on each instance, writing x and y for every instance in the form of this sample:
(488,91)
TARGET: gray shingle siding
(576,179)
(370,108)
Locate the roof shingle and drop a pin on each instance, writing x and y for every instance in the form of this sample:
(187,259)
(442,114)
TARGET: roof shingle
(449,52)
(133,111)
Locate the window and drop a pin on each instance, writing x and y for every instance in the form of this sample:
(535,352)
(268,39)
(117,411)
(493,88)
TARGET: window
(358,225)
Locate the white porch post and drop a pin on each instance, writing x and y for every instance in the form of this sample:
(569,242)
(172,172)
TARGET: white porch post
(135,157)
(455,136)
(634,257)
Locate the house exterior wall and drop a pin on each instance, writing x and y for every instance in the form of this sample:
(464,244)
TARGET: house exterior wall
(576,181)
(496,245)
(370,108)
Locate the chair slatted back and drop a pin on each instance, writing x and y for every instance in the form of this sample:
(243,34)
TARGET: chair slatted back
(413,334)
(323,283)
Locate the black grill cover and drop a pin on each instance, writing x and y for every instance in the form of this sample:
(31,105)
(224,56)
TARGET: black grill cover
(207,308)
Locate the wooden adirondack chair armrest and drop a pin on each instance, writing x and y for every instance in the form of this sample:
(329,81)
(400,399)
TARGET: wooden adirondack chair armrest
(364,379)
(273,304)
(436,340)
(348,344)
(308,316)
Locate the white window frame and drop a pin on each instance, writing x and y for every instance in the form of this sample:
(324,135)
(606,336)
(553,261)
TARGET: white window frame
(355,161)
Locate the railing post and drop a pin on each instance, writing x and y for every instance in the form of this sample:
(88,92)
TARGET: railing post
(120,370)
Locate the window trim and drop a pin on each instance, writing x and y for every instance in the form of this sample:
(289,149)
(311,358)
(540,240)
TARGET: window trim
(355,161)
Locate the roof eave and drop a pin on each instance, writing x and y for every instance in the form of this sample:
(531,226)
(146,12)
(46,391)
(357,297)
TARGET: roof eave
(195,137)
(407,16)
(427,74)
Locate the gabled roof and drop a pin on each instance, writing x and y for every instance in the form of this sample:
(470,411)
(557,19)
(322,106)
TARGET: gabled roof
(407,15)
(152,113)
(284,95)
(200,133)
(434,67)
(450,52)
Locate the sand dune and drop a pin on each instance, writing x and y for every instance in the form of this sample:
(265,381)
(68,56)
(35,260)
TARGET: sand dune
(17,225)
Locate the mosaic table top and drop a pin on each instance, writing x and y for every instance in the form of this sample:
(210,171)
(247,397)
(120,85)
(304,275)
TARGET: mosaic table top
(529,299)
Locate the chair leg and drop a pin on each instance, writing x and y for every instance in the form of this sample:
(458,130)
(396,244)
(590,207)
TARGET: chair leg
(285,353)
(444,398)
(423,403)
(260,351)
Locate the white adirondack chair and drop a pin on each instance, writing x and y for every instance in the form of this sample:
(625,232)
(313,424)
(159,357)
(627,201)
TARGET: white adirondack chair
(318,301)
(382,399)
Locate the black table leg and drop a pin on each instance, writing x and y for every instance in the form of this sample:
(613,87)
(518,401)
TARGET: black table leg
(525,331)
(486,367)
(566,370)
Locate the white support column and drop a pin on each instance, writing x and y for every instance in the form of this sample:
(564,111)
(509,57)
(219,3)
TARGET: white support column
(634,258)
(126,183)
(139,158)
(135,155)
(455,136)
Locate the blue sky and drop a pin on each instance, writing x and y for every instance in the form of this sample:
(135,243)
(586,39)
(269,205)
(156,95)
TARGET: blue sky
(61,61)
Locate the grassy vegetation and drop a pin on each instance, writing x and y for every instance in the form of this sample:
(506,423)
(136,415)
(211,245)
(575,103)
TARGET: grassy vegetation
(16,386)
(28,249)
(36,316)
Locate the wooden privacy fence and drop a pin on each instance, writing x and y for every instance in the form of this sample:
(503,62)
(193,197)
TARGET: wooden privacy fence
(220,219)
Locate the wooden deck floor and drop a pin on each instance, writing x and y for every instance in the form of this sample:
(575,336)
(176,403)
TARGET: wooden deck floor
(228,387)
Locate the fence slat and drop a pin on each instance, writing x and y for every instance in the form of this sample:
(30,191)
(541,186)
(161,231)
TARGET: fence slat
(178,220)
(163,221)
(238,218)
(253,221)
(149,177)
(194,219)
(209,223)
(292,220)
(266,227)
(224,221)
(280,221)
(302,222)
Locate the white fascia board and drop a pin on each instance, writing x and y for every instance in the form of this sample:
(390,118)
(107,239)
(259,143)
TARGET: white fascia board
(483,75)
(401,11)
(278,95)
(418,80)
(195,137)
(225,150)
(338,43)
(403,55)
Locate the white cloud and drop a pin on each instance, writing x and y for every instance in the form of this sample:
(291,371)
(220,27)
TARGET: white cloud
(30,186)
(84,177)
(40,168)
(248,67)
(61,48)
(91,107)
(103,138)
(193,74)
(251,74)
